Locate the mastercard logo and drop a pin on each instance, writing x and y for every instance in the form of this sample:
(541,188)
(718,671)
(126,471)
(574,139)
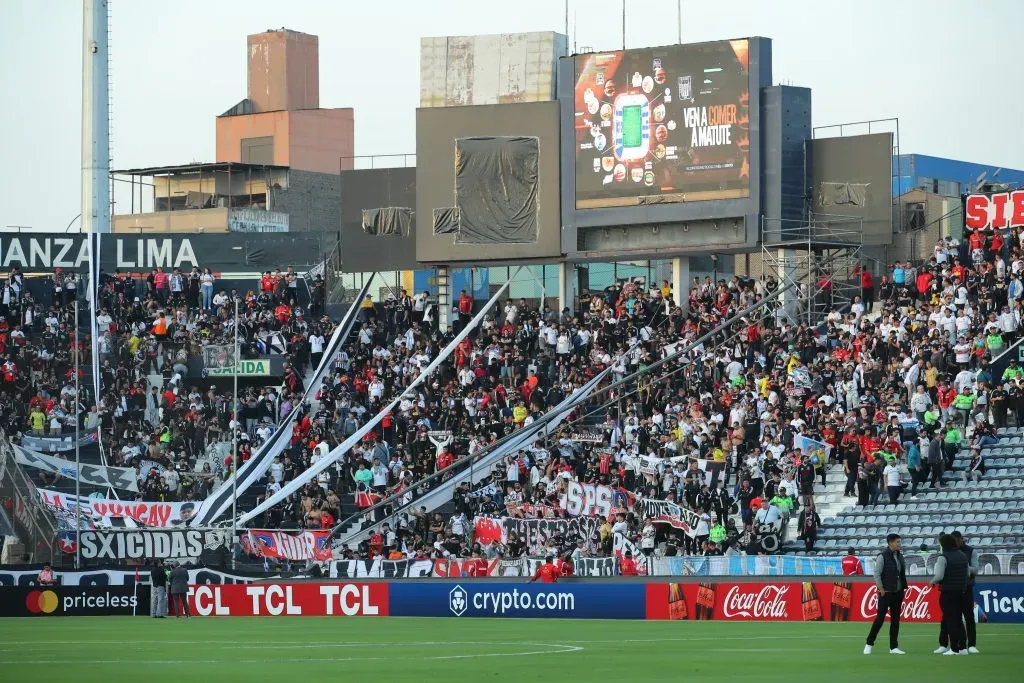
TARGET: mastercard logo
(41,602)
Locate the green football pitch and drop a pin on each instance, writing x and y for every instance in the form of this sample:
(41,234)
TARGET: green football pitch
(316,650)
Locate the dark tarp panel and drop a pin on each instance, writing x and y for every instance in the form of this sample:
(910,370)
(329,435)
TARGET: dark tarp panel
(496,189)
(840,194)
(446,221)
(391,221)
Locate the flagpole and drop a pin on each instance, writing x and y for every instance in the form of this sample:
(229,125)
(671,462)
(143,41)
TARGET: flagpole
(78,452)
(234,447)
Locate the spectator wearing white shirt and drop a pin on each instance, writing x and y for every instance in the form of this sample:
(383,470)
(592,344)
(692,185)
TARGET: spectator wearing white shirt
(892,480)
(316,348)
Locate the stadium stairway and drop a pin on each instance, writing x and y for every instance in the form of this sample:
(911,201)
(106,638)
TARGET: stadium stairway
(990,513)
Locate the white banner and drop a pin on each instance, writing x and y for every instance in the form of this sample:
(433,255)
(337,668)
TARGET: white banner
(652,464)
(122,478)
(103,513)
(59,443)
(621,545)
(665,512)
(587,500)
(176,544)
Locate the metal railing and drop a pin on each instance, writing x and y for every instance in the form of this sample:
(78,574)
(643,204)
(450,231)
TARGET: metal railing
(365,161)
(35,527)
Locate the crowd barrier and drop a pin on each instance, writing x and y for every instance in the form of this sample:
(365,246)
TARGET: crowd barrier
(836,600)
(723,601)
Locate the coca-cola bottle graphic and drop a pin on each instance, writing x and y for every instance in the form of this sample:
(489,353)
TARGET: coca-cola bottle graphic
(842,599)
(705,608)
(810,605)
(677,602)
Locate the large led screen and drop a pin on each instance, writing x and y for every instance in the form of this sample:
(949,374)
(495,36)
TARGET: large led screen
(661,125)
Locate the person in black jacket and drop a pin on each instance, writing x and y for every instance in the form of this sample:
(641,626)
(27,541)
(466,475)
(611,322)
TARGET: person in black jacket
(968,602)
(952,572)
(890,574)
(158,577)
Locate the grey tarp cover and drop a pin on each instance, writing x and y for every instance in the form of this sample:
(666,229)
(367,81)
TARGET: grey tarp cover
(496,188)
(446,220)
(388,220)
(839,194)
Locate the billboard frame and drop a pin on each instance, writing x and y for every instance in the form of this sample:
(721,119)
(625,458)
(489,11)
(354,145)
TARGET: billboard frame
(747,209)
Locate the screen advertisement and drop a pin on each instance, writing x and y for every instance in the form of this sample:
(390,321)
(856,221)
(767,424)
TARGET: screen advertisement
(662,125)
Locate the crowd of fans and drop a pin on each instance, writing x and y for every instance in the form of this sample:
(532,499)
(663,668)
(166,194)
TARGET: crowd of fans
(155,412)
(894,384)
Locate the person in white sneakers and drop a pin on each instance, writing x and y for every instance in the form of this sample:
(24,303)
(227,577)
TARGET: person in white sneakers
(890,574)
(968,602)
(952,576)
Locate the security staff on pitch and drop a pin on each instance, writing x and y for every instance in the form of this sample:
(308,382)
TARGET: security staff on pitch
(968,603)
(952,573)
(891,580)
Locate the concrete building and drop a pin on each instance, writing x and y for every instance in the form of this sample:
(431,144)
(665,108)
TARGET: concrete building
(947,177)
(280,122)
(277,153)
(225,197)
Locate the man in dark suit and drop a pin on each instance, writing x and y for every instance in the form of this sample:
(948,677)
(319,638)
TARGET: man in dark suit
(179,591)
(890,574)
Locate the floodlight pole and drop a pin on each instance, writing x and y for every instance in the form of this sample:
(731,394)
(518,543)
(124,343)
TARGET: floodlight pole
(78,453)
(234,444)
(623,24)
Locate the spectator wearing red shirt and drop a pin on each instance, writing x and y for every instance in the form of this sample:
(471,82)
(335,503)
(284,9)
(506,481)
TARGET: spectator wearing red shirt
(627,565)
(852,565)
(547,572)
(867,288)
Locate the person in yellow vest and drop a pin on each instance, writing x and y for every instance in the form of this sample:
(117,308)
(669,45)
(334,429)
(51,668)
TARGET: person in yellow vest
(37,420)
(519,413)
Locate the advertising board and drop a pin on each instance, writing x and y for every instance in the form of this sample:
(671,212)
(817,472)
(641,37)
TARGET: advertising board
(998,211)
(665,124)
(785,601)
(290,599)
(519,600)
(74,601)
(1000,603)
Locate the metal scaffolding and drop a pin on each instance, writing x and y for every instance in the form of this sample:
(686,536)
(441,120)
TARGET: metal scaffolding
(821,258)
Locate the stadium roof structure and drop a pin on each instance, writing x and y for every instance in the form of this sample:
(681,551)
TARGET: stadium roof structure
(186,169)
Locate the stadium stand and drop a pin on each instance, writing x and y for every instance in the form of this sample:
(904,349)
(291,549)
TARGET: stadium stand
(715,435)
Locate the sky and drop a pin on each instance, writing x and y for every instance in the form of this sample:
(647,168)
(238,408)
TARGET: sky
(946,72)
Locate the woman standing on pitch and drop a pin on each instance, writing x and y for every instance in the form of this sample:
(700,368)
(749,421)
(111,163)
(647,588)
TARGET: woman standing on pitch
(951,576)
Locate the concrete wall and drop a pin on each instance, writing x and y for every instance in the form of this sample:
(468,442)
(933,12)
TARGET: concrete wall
(310,140)
(491,69)
(311,200)
(318,138)
(436,131)
(232,129)
(210,220)
(284,70)
(374,189)
(864,160)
